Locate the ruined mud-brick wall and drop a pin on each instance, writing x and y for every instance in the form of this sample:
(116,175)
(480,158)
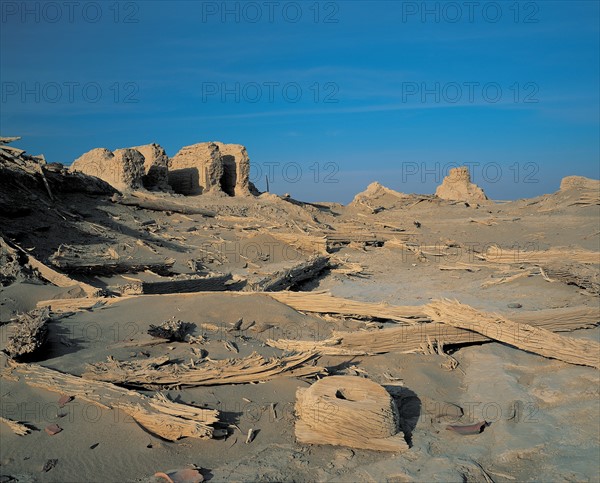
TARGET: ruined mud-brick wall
(123,169)
(211,168)
(457,186)
(156,167)
(236,169)
(196,169)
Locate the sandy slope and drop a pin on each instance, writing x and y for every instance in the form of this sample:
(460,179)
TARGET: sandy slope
(543,413)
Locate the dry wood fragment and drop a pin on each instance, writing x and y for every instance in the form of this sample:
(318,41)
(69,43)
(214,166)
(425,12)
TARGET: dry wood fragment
(49,464)
(460,266)
(511,278)
(285,279)
(327,304)
(45,181)
(155,203)
(536,257)
(409,339)
(348,411)
(30,333)
(72,261)
(57,278)
(523,336)
(15,426)
(183,284)
(585,276)
(153,373)
(158,415)
(173,330)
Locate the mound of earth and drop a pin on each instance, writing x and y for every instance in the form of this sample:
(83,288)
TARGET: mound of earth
(457,186)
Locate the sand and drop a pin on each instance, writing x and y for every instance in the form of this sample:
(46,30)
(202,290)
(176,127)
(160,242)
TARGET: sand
(542,414)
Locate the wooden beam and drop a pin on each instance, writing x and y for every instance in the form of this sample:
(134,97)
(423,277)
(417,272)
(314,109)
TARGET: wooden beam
(288,278)
(165,418)
(523,336)
(159,372)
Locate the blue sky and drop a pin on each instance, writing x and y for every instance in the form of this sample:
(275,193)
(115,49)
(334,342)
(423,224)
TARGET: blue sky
(327,96)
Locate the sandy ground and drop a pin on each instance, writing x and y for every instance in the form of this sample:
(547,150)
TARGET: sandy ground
(543,414)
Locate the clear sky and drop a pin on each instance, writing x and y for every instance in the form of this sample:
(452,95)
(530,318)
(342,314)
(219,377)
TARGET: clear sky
(327,96)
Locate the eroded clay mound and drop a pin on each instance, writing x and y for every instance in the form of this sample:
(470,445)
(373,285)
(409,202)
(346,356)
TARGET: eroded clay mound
(457,186)
(377,192)
(579,182)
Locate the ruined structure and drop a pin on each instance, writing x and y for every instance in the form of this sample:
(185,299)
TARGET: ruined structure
(156,166)
(196,169)
(212,167)
(123,169)
(457,186)
(236,169)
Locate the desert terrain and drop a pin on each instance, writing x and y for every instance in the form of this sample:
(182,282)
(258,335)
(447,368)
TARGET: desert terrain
(163,320)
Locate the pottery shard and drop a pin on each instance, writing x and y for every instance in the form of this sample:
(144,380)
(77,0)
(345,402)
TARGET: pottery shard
(197,169)
(123,169)
(156,167)
(348,411)
(457,186)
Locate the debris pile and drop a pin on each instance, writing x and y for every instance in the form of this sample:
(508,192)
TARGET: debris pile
(30,333)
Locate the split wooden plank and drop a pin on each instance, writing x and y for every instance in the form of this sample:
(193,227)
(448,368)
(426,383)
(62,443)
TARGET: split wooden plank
(523,336)
(285,279)
(158,372)
(165,418)
(71,261)
(190,284)
(490,283)
(15,426)
(460,266)
(327,304)
(57,278)
(410,339)
(74,305)
(562,319)
(160,204)
(8,139)
(401,339)
(555,254)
